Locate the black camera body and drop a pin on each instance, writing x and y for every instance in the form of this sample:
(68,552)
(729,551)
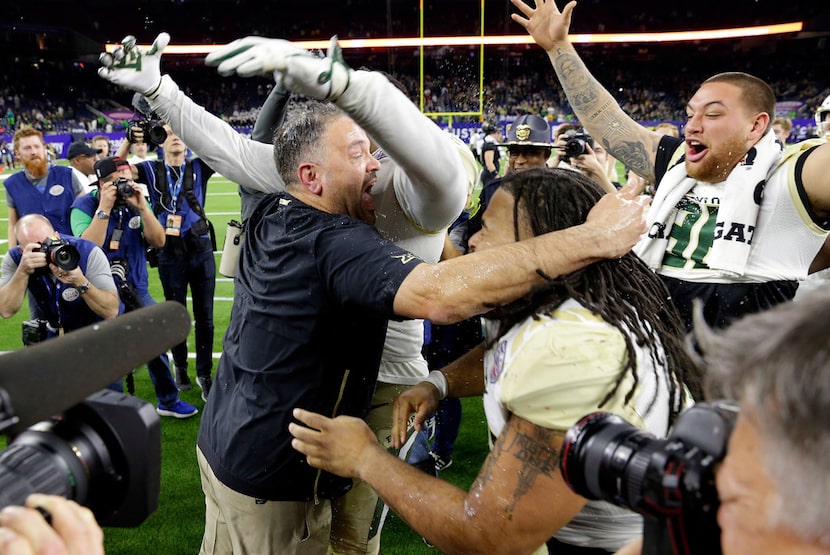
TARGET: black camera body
(576,144)
(671,481)
(123,188)
(35,331)
(153,130)
(60,253)
(104,453)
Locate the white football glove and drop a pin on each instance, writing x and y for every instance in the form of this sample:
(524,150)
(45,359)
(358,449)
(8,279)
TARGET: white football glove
(252,56)
(132,68)
(294,68)
(321,78)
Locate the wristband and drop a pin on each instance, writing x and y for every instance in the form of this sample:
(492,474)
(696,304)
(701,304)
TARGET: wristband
(439,380)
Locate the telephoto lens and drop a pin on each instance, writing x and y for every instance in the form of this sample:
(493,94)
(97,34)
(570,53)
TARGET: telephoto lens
(61,253)
(669,481)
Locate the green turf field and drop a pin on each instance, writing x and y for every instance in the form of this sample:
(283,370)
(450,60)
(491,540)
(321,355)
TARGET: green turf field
(176,527)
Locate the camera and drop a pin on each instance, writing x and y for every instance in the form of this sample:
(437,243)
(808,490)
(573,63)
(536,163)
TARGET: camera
(152,129)
(120,269)
(60,253)
(36,331)
(124,190)
(104,453)
(576,144)
(671,482)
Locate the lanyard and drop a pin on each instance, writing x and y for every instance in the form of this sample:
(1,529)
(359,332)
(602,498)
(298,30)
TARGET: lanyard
(174,188)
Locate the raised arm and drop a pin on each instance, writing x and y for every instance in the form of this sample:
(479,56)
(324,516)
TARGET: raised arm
(596,109)
(243,161)
(430,180)
(431,193)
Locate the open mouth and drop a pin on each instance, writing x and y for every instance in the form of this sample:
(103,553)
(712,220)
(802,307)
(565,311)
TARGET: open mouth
(368,200)
(695,150)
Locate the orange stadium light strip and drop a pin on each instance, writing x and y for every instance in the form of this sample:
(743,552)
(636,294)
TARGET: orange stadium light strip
(678,36)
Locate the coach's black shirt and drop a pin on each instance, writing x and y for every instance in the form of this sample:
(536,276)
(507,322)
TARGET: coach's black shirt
(312,296)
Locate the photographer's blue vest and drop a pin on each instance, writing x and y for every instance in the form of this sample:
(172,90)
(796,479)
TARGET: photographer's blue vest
(52,200)
(61,304)
(130,244)
(188,200)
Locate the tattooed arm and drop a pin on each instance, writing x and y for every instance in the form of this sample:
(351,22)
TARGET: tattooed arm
(517,502)
(596,109)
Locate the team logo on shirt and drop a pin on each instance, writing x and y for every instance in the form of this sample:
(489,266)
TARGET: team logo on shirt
(56,190)
(494,371)
(405,258)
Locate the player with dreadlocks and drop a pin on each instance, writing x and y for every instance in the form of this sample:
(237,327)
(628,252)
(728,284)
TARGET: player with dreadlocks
(604,337)
(623,293)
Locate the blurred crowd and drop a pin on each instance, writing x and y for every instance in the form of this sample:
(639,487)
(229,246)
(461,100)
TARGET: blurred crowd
(651,81)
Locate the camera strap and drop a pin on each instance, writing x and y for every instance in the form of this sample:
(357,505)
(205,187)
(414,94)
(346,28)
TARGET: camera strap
(42,289)
(165,197)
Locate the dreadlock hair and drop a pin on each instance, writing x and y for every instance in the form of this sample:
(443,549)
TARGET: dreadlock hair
(625,293)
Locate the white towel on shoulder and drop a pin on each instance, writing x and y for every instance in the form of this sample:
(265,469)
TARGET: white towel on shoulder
(743,192)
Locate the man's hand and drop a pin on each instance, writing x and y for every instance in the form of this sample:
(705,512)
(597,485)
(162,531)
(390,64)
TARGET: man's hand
(620,215)
(71,277)
(342,446)
(32,259)
(253,56)
(294,68)
(422,399)
(107,195)
(133,68)
(73,530)
(545,23)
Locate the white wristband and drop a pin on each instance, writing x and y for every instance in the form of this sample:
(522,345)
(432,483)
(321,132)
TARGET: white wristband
(439,380)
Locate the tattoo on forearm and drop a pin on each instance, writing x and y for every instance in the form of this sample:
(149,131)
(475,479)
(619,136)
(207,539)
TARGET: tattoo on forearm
(585,95)
(634,155)
(538,456)
(575,79)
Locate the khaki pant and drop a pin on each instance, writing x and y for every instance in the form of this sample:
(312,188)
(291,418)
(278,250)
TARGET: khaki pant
(239,525)
(358,516)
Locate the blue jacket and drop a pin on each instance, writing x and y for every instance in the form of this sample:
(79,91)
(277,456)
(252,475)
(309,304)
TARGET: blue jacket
(52,200)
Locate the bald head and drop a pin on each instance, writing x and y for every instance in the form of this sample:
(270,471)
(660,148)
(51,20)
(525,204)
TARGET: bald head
(33,228)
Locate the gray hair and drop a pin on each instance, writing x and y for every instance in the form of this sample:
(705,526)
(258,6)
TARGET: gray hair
(776,364)
(298,139)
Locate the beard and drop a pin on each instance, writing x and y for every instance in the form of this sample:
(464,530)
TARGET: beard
(719,163)
(36,167)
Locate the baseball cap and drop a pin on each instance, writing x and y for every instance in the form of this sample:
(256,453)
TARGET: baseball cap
(80,148)
(109,165)
(529,130)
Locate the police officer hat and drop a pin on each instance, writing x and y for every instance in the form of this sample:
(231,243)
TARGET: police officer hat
(529,130)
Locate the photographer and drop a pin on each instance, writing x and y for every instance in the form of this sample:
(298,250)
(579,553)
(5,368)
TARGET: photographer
(177,187)
(117,218)
(69,298)
(773,486)
(574,149)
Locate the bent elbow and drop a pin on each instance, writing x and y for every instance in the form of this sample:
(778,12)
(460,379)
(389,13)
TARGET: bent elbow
(445,313)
